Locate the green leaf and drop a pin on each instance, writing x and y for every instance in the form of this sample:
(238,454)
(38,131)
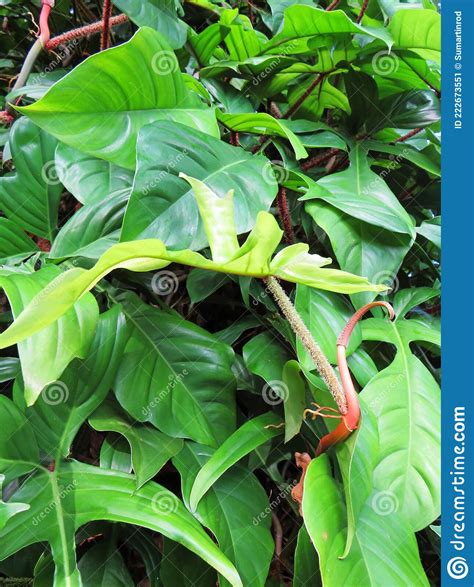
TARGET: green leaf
(29,196)
(90,180)
(295,400)
(360,193)
(407,299)
(412,109)
(115,453)
(417,29)
(182,376)
(201,284)
(9,368)
(9,509)
(235,510)
(242,41)
(306,569)
(325,314)
(68,495)
(151,449)
(162,203)
(262,124)
(15,245)
(63,407)
(324,97)
(361,248)
(408,463)
(368,563)
(431,230)
(206,42)
(248,437)
(103,566)
(100,106)
(18,449)
(181,567)
(159,15)
(43,360)
(401,152)
(265,356)
(302,23)
(92,229)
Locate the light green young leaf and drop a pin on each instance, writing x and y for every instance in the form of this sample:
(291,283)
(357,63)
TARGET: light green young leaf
(45,355)
(100,106)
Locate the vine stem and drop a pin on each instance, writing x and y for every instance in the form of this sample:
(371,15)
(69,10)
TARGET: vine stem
(320,360)
(315,83)
(363,8)
(407,136)
(285,215)
(106,15)
(89,29)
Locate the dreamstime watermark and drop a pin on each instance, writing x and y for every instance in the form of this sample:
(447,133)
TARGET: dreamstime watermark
(385,63)
(173,380)
(270,68)
(388,278)
(55,393)
(273,171)
(62,493)
(51,173)
(164,502)
(274,503)
(59,57)
(275,392)
(384,503)
(164,173)
(164,283)
(164,63)
(392,164)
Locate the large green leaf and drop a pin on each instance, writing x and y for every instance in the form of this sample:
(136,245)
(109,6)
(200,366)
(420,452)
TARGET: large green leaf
(158,14)
(45,355)
(408,462)
(370,562)
(92,229)
(248,437)
(29,196)
(89,179)
(181,376)
(417,29)
(361,248)
(9,509)
(63,407)
(112,573)
(361,193)
(151,449)
(234,509)
(100,106)
(67,495)
(302,23)
(162,204)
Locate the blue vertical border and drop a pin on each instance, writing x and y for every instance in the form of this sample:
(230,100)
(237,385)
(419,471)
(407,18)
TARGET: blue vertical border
(457,520)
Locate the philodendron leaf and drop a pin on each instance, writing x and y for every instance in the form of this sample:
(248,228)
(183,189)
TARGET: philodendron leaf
(252,259)
(9,509)
(261,123)
(63,407)
(361,193)
(100,106)
(66,495)
(29,196)
(249,436)
(369,563)
(162,203)
(417,29)
(238,498)
(181,374)
(150,448)
(89,179)
(15,245)
(45,355)
(302,23)
(158,14)
(408,461)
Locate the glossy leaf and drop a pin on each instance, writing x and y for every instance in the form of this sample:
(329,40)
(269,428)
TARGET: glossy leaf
(245,537)
(417,29)
(15,245)
(43,360)
(295,400)
(150,448)
(121,90)
(29,195)
(117,499)
(249,436)
(162,204)
(181,375)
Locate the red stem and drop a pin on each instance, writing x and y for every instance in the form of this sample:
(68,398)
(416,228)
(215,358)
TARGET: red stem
(319,159)
(234,138)
(410,134)
(106,14)
(303,96)
(350,421)
(285,216)
(46,7)
(84,31)
(363,8)
(333,5)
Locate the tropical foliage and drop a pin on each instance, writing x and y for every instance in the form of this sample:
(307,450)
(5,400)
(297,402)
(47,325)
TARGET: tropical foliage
(153,392)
